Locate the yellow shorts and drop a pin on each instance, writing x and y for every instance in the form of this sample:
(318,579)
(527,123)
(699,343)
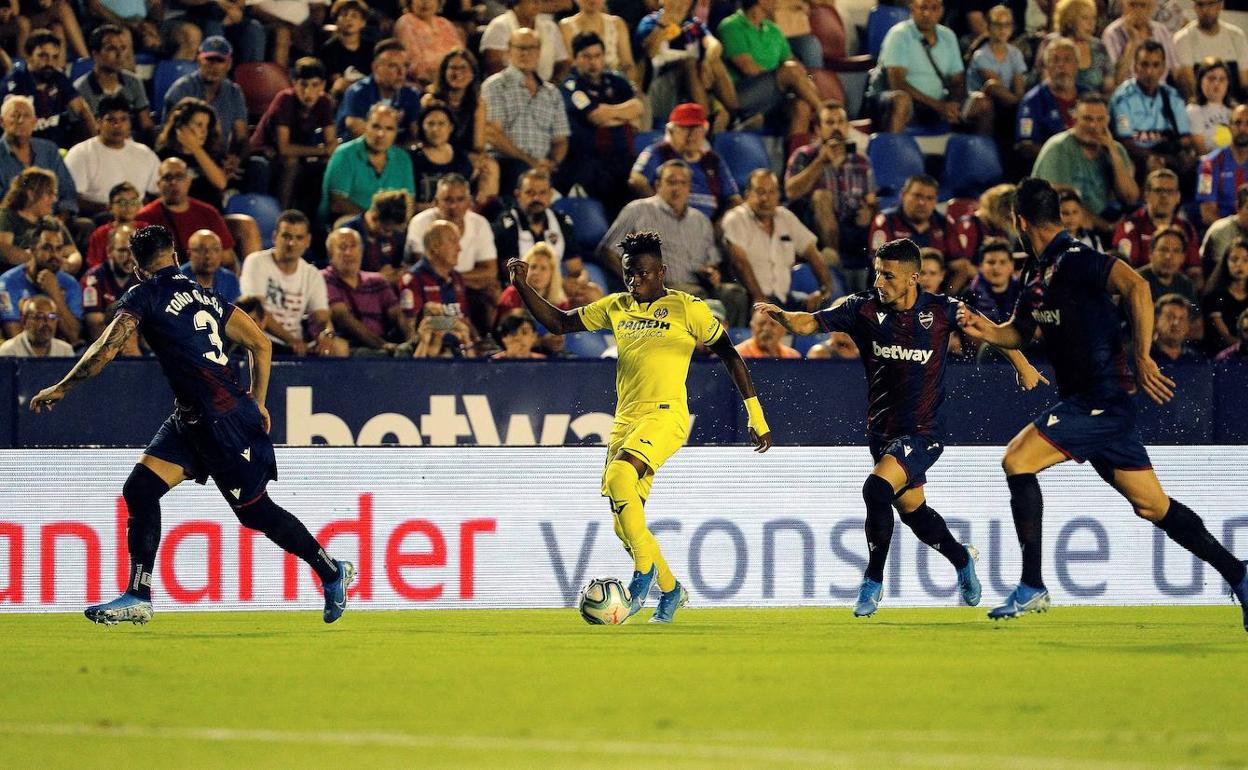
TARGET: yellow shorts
(652,432)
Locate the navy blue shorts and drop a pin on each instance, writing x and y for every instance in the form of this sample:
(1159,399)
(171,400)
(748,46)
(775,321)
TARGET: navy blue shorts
(915,452)
(233,450)
(1101,432)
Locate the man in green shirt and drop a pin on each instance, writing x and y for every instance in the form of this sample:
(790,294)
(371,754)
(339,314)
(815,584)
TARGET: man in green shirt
(763,68)
(365,165)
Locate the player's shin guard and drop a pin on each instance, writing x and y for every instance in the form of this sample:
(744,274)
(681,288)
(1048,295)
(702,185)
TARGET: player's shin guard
(929,527)
(1027,505)
(624,491)
(878,495)
(281,526)
(142,492)
(1184,527)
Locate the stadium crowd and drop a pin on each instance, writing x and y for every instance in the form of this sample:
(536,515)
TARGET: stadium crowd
(356,175)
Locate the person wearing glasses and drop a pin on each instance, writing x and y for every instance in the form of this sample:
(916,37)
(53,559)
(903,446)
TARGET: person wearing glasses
(38,336)
(1134,234)
(42,274)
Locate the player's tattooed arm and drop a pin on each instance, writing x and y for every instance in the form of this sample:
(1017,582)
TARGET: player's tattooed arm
(796,323)
(98,356)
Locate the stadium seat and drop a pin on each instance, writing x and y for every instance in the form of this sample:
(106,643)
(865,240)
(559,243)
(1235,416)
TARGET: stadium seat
(163,76)
(262,208)
(590,219)
(744,152)
(80,67)
(881,19)
(646,138)
(895,158)
(586,344)
(828,85)
(260,82)
(596,274)
(803,279)
(972,165)
(739,334)
(826,24)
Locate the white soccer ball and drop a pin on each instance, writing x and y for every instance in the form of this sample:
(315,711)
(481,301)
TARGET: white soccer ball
(604,602)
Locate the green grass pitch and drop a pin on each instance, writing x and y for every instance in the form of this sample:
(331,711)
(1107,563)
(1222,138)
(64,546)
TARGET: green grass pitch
(1080,686)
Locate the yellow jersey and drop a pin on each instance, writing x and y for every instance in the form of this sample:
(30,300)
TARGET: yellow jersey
(655,339)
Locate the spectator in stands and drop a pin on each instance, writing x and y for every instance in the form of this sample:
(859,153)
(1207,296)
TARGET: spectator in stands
(100,163)
(104,284)
(996,67)
(38,336)
(182,214)
(346,56)
(1075,20)
(1224,171)
(295,300)
(525,122)
(914,218)
(994,290)
(383,230)
(544,278)
(1088,159)
(297,134)
(603,115)
(1049,107)
(1075,218)
(763,67)
(458,88)
(124,202)
(20,149)
(518,336)
(1210,113)
(25,212)
(363,305)
(686,61)
(531,220)
(228,19)
(548,54)
(210,83)
(1209,37)
(435,157)
(361,167)
(925,77)
(1240,348)
(1134,233)
(57,17)
(41,274)
(61,114)
(426,37)
(136,22)
(764,241)
(1135,27)
(476,257)
(1149,117)
(434,298)
(203,265)
(688,241)
(384,86)
(765,339)
(1164,262)
(110,49)
(965,237)
(838,346)
(191,133)
(1227,297)
(714,189)
(1172,324)
(1225,231)
(592,18)
(932,271)
(290,23)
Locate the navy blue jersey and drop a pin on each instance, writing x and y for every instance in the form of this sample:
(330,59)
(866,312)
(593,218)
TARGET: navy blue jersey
(1064,292)
(184,324)
(904,355)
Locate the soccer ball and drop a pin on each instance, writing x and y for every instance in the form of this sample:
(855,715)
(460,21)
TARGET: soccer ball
(604,602)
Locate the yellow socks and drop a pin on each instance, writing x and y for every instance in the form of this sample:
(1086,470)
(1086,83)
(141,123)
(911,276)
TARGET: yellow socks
(624,491)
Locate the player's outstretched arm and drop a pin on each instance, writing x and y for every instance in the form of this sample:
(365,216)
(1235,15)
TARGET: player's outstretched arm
(760,434)
(241,329)
(554,319)
(796,323)
(1138,298)
(104,349)
(976,326)
(1028,375)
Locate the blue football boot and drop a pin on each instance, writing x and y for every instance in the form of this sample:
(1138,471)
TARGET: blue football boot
(1022,600)
(669,602)
(968,581)
(869,594)
(124,607)
(639,589)
(336,592)
(1240,592)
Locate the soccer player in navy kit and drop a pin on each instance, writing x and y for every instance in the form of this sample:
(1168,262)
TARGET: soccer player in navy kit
(1068,292)
(903,334)
(217,428)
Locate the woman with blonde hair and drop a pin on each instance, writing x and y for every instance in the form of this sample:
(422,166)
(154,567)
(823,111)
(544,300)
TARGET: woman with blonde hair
(543,277)
(27,203)
(1076,19)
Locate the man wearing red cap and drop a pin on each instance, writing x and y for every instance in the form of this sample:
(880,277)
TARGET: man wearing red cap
(714,191)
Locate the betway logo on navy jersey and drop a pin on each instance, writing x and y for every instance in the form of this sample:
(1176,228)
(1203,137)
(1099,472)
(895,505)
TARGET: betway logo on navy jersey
(899,353)
(1053,317)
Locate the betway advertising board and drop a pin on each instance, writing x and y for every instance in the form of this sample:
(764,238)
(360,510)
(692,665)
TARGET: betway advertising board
(510,528)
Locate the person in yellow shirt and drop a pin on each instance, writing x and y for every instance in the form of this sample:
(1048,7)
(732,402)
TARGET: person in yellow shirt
(657,330)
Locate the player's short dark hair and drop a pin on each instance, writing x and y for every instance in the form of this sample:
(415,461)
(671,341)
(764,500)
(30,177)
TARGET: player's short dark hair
(308,68)
(119,188)
(1149,46)
(112,103)
(41,37)
(638,244)
(1036,201)
(388,44)
(927,180)
(149,244)
(95,43)
(901,250)
(1173,231)
(392,206)
(292,217)
(995,244)
(1172,299)
(512,324)
(585,40)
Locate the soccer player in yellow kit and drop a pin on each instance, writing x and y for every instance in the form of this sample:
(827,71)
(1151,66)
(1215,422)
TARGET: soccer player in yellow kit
(657,330)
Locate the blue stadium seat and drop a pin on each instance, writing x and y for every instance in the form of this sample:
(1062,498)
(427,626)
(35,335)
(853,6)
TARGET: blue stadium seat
(590,219)
(739,334)
(646,138)
(895,158)
(163,76)
(803,279)
(743,151)
(880,20)
(586,344)
(263,208)
(802,343)
(597,275)
(80,67)
(972,165)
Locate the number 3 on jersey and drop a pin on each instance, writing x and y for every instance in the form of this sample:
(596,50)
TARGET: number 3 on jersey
(204,320)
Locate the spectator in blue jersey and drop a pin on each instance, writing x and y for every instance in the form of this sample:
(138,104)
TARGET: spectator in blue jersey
(203,265)
(20,149)
(994,290)
(1224,171)
(42,274)
(385,86)
(686,60)
(714,190)
(603,113)
(1049,107)
(915,217)
(62,117)
(1172,327)
(1149,117)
